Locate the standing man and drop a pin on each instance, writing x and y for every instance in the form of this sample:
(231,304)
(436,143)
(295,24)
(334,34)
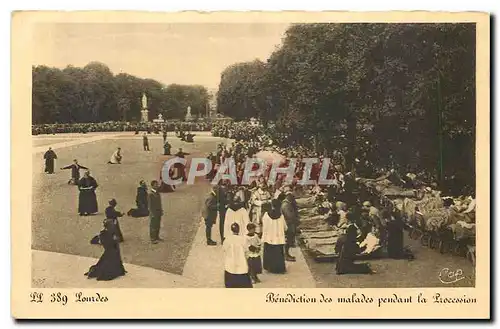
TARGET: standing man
(166,148)
(223,199)
(75,172)
(145,142)
(155,213)
(49,157)
(290,211)
(211,157)
(209,214)
(164,135)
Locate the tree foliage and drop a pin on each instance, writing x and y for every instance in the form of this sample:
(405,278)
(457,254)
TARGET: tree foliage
(240,90)
(413,83)
(94,94)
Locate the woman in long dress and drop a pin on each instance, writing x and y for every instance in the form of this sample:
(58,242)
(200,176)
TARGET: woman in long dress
(235,262)
(87,201)
(110,265)
(347,247)
(273,237)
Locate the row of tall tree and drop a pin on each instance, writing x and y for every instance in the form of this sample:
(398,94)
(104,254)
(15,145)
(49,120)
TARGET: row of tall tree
(94,94)
(415,83)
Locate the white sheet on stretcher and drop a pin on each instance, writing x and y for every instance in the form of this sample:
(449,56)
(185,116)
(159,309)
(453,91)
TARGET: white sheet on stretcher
(371,242)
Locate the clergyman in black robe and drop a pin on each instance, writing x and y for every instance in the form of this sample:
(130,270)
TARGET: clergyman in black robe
(110,265)
(141,201)
(166,148)
(87,201)
(189,137)
(179,167)
(75,171)
(49,157)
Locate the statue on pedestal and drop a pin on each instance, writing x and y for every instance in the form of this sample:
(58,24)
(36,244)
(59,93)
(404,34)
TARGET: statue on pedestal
(189,117)
(144,111)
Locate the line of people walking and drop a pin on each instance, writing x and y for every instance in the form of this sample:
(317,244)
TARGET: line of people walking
(252,239)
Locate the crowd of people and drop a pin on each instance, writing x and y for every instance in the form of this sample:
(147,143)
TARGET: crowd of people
(267,213)
(119,126)
(148,204)
(367,161)
(259,220)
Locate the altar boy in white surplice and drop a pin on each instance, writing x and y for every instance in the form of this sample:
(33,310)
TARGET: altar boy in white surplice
(237,213)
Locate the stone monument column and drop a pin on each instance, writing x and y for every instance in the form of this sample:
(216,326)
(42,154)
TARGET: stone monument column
(144,111)
(188,117)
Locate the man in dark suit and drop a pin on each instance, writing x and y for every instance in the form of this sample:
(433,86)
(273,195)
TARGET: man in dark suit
(209,214)
(223,197)
(290,211)
(145,142)
(155,213)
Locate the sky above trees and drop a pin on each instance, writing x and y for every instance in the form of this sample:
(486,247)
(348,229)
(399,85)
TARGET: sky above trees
(186,53)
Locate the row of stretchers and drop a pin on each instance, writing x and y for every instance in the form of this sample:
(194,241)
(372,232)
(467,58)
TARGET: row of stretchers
(442,223)
(321,227)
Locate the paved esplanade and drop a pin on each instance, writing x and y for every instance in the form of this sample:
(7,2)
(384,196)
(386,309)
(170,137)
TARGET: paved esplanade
(60,238)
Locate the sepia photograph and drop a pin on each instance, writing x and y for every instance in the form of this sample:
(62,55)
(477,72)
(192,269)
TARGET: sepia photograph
(272,155)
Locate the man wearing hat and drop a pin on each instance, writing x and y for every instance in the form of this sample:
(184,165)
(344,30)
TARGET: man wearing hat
(290,211)
(155,212)
(209,214)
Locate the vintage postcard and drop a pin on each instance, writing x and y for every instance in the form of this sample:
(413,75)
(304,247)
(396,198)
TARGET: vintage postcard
(329,165)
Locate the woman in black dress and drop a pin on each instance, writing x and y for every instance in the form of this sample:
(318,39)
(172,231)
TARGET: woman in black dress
(395,236)
(347,247)
(110,265)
